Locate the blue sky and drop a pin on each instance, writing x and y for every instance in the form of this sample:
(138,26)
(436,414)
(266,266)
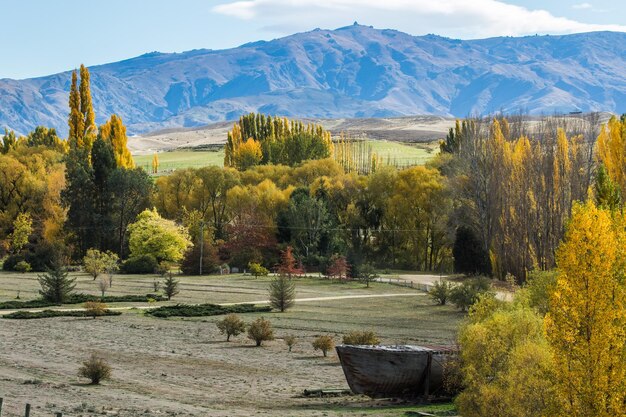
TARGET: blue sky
(41,37)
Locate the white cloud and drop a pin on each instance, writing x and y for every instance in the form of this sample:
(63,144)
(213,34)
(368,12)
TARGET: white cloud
(588,7)
(454,18)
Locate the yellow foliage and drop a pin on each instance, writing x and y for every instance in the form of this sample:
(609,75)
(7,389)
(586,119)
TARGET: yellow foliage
(247,155)
(586,323)
(505,362)
(611,151)
(114,132)
(155,164)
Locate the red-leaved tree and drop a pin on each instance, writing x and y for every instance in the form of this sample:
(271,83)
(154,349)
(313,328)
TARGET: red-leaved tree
(339,267)
(288,265)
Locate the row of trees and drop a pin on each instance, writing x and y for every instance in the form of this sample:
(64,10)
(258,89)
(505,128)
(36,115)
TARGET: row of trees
(397,217)
(259,139)
(514,186)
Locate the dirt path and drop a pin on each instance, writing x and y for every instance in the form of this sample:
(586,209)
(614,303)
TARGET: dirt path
(297,300)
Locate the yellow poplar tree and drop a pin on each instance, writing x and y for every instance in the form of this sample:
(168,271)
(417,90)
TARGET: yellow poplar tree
(114,132)
(75,121)
(611,150)
(586,323)
(155,163)
(86,108)
(248,154)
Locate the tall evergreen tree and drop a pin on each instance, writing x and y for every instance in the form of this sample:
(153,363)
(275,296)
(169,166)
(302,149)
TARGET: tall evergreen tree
(78,197)
(103,162)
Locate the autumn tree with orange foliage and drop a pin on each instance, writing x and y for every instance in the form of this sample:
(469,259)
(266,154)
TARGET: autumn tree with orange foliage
(288,265)
(338,268)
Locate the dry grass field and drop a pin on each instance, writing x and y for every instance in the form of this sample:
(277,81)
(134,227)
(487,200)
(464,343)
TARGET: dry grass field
(184,367)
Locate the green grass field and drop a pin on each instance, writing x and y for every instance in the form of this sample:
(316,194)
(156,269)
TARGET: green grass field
(396,153)
(170,161)
(403,154)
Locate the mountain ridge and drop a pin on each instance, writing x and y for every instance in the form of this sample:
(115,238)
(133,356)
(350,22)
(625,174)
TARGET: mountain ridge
(354,71)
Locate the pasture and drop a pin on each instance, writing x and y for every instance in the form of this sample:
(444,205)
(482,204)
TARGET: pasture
(394,153)
(184,367)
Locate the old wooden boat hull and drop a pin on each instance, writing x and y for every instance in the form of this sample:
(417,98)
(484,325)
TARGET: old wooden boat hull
(394,371)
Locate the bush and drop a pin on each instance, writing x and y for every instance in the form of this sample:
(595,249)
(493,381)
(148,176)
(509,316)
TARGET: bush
(45,314)
(361,338)
(23,267)
(257,269)
(440,292)
(201,310)
(367,273)
(290,341)
(282,293)
(539,286)
(11,261)
(231,325)
(79,299)
(95,308)
(465,295)
(143,264)
(323,343)
(96,369)
(260,330)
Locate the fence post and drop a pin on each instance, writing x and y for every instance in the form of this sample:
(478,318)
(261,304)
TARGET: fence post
(27,411)
(1,401)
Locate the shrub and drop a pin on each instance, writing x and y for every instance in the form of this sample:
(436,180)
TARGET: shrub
(11,261)
(361,338)
(367,273)
(96,369)
(162,268)
(23,267)
(465,295)
(440,292)
(290,341)
(26,315)
(282,293)
(539,286)
(231,325)
(257,269)
(323,343)
(96,262)
(143,264)
(79,299)
(95,308)
(201,310)
(170,286)
(260,330)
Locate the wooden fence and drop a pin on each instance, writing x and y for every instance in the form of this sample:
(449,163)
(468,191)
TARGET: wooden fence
(405,283)
(26,410)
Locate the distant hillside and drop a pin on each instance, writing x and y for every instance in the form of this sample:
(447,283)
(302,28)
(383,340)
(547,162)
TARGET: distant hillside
(355,71)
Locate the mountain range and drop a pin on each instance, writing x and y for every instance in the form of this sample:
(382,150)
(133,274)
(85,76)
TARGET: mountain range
(355,71)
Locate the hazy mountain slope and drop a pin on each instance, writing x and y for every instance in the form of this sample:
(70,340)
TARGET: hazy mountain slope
(355,71)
